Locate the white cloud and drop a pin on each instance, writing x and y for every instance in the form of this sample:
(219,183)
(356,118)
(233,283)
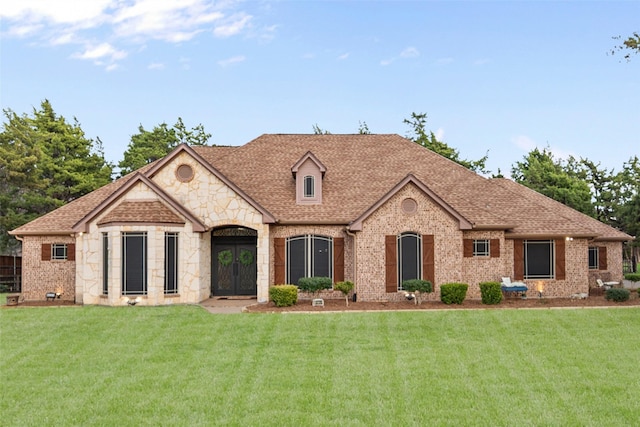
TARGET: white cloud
(410,52)
(527,145)
(444,61)
(407,53)
(156,66)
(104,27)
(524,143)
(439,134)
(343,56)
(231,61)
(232,26)
(481,61)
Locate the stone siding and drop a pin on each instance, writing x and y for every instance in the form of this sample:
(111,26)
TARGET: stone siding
(40,277)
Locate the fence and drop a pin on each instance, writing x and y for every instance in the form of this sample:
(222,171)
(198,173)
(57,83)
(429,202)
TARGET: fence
(10,273)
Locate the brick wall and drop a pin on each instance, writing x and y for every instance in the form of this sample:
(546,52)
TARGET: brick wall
(40,277)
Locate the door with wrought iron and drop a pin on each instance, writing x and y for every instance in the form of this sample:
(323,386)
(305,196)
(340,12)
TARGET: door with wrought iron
(234,269)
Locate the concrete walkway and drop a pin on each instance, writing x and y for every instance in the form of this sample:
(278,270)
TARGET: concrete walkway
(227,305)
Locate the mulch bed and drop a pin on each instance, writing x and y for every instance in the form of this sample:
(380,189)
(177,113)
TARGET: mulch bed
(513,303)
(54,303)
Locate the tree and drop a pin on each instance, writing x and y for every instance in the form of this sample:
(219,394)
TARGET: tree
(317,130)
(45,162)
(629,46)
(148,146)
(420,136)
(627,198)
(602,185)
(363,129)
(546,175)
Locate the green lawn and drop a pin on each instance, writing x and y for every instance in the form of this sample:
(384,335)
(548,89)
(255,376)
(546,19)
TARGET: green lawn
(184,366)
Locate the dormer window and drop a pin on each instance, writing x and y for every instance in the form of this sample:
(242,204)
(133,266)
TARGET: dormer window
(309,186)
(308,173)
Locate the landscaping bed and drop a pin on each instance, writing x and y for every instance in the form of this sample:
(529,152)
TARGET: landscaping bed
(514,303)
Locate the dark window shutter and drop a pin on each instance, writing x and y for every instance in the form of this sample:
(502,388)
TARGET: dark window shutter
(518,259)
(560,260)
(46,252)
(338,259)
(494,248)
(428,258)
(71,252)
(467,247)
(278,262)
(391,264)
(602,258)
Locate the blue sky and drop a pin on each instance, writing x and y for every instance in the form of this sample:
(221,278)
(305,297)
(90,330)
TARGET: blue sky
(502,77)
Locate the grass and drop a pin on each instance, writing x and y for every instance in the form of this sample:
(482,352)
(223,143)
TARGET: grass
(184,366)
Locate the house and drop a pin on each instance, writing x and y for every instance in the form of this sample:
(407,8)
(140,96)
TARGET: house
(373,209)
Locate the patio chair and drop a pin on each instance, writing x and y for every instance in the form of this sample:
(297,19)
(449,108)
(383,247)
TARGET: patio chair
(507,283)
(513,288)
(606,285)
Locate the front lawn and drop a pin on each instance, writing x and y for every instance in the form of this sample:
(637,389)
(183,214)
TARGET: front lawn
(184,366)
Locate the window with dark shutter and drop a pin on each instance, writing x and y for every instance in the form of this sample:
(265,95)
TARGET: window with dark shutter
(428,259)
(390,261)
(338,259)
(602,255)
(278,260)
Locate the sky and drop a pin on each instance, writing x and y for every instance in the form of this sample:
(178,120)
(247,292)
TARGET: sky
(498,78)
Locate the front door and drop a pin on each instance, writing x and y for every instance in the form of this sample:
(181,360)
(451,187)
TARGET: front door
(234,269)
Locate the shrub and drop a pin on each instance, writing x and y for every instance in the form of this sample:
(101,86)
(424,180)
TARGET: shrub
(453,293)
(283,295)
(490,292)
(617,294)
(345,288)
(634,277)
(314,284)
(418,285)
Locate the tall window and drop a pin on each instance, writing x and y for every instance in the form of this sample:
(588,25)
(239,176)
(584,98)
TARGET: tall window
(309,256)
(58,251)
(309,186)
(481,247)
(409,257)
(539,259)
(134,263)
(170,263)
(105,263)
(593,258)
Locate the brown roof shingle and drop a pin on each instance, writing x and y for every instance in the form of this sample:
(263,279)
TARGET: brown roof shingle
(361,170)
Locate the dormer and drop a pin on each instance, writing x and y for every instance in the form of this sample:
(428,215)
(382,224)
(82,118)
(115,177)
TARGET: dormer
(308,173)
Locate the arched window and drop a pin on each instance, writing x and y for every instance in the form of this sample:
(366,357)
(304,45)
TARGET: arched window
(409,257)
(309,186)
(309,256)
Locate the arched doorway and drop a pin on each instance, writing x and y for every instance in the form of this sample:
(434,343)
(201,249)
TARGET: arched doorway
(233,261)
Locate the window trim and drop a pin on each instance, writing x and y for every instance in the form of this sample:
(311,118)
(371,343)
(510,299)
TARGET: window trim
(552,259)
(596,251)
(309,187)
(171,281)
(399,255)
(105,263)
(63,247)
(309,250)
(145,275)
(477,252)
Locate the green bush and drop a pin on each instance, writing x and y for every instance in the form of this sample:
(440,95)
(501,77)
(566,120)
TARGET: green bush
(634,277)
(314,284)
(283,295)
(419,286)
(617,294)
(345,288)
(490,292)
(453,293)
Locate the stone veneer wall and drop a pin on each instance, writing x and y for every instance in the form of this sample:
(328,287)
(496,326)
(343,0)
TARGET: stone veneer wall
(40,277)
(285,231)
(476,270)
(391,219)
(215,204)
(613,273)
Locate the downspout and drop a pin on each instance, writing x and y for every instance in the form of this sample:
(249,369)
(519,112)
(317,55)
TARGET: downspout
(20,239)
(355,262)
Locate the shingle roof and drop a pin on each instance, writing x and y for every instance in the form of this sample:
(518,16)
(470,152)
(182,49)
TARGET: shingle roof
(360,171)
(141,211)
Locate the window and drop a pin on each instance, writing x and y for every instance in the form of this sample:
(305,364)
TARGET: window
(105,263)
(593,258)
(134,263)
(481,247)
(539,259)
(309,186)
(58,251)
(170,263)
(409,257)
(309,256)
